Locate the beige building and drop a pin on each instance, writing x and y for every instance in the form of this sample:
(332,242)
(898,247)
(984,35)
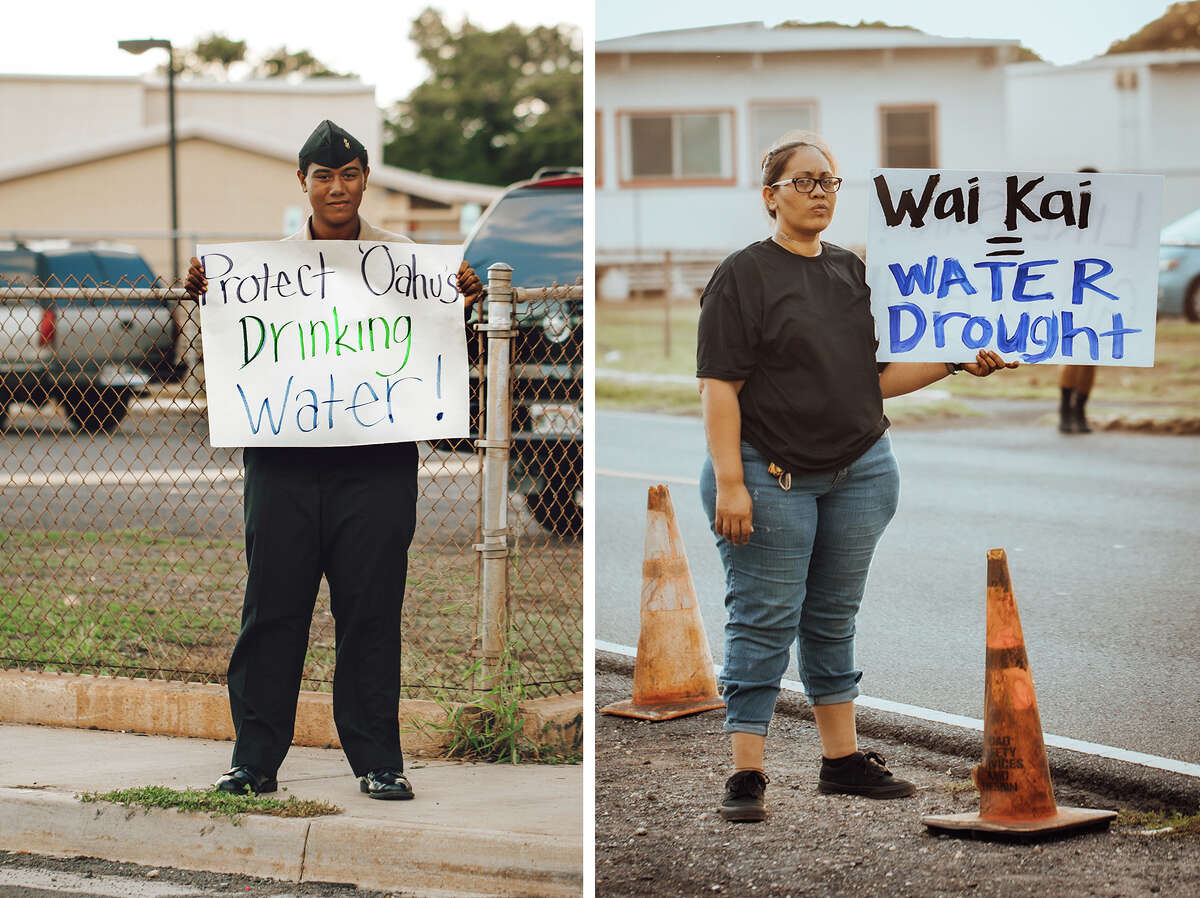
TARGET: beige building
(93,163)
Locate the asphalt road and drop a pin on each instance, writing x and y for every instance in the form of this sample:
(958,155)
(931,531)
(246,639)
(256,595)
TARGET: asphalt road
(25,875)
(1102,545)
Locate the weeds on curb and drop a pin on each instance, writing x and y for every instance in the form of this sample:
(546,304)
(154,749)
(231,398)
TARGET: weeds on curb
(1158,823)
(961,787)
(491,727)
(212,802)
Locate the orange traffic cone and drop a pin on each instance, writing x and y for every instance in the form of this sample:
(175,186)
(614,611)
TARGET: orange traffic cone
(673,675)
(1015,793)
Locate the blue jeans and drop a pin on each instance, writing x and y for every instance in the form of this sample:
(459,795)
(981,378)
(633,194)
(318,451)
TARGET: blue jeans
(799,579)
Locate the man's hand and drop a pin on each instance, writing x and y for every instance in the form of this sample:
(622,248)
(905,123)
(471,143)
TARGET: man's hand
(469,284)
(987,362)
(196,282)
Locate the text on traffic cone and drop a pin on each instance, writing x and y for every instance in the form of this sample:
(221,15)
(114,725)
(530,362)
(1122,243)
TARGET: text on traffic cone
(1015,791)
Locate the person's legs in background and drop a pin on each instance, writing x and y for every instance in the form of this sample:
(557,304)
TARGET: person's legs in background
(1075,385)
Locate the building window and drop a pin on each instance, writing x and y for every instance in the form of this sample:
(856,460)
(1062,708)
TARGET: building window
(598,163)
(689,146)
(769,122)
(909,136)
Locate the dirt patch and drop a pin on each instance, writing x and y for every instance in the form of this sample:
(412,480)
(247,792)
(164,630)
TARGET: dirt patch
(657,831)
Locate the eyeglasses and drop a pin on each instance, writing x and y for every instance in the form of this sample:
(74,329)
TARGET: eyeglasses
(806,185)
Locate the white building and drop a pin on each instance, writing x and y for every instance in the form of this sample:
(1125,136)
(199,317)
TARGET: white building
(87,159)
(683,118)
(1129,112)
(58,113)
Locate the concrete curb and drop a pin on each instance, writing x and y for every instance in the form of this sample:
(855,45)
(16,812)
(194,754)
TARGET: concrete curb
(368,854)
(201,711)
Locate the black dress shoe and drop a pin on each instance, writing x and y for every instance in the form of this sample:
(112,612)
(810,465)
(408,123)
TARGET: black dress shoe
(247,781)
(386,784)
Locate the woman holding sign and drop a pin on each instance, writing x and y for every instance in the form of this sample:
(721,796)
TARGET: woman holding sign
(800,481)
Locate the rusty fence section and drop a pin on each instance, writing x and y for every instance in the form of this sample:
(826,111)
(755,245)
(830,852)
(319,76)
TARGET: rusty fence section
(121,533)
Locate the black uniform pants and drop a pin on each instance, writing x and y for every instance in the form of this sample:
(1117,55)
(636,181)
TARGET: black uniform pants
(348,513)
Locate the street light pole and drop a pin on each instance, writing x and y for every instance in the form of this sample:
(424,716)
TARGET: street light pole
(138,47)
(174,168)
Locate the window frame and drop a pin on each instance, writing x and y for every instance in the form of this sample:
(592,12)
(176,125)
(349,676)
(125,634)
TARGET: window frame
(598,142)
(753,106)
(931,108)
(625,175)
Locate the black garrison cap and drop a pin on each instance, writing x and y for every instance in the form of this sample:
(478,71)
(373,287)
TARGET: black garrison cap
(331,146)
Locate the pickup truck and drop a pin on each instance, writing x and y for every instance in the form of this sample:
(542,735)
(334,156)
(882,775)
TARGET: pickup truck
(63,336)
(23,355)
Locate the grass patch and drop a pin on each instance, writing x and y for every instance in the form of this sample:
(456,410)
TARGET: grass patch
(490,727)
(915,410)
(961,787)
(151,604)
(1172,824)
(213,802)
(630,336)
(668,398)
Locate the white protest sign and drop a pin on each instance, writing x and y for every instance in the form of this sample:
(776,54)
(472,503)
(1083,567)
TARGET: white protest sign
(333,343)
(1040,267)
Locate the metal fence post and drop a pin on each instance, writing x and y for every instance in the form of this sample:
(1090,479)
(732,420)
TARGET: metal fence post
(493,581)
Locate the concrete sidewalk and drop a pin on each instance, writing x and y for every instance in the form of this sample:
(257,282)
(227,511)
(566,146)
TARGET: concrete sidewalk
(473,829)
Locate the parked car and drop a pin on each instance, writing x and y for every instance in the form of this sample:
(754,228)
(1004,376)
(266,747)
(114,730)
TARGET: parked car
(1179,268)
(94,351)
(24,356)
(536,226)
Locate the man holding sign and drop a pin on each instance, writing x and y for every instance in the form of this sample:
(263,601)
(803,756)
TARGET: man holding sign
(294,335)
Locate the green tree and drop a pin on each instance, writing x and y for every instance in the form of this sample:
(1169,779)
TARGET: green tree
(1176,29)
(212,55)
(282,62)
(215,54)
(496,106)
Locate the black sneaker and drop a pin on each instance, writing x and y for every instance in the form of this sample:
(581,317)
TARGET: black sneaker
(386,783)
(246,781)
(743,802)
(862,773)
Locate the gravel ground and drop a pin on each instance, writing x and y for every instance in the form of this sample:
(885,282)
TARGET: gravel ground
(658,833)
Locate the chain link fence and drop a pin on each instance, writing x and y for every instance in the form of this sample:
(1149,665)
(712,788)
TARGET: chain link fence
(121,534)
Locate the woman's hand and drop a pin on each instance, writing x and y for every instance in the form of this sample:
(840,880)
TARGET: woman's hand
(734,513)
(987,362)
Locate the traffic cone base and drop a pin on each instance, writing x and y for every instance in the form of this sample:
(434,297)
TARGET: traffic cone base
(673,675)
(662,710)
(1064,820)
(1016,795)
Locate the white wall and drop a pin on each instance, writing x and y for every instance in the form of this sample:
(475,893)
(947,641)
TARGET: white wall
(44,115)
(287,116)
(52,114)
(1173,136)
(1060,119)
(848,87)
(1119,114)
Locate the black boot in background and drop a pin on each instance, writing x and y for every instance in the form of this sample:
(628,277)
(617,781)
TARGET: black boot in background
(1066,412)
(1079,419)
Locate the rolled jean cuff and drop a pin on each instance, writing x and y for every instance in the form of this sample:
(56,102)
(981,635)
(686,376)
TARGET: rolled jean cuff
(835,698)
(756,729)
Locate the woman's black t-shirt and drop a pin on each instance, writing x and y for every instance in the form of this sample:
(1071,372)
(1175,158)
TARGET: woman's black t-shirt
(798,330)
